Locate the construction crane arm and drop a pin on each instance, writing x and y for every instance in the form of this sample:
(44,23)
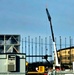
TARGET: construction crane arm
(49,18)
(55,50)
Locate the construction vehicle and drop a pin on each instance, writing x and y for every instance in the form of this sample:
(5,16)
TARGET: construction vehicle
(54,44)
(41,68)
(38,67)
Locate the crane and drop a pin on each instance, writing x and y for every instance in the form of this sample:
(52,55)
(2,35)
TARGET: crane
(54,44)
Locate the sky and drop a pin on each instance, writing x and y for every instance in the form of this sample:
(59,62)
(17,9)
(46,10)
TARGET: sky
(29,18)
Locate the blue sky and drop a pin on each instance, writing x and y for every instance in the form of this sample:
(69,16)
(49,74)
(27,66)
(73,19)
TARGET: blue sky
(29,18)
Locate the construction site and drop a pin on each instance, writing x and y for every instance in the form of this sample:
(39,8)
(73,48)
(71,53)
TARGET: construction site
(37,55)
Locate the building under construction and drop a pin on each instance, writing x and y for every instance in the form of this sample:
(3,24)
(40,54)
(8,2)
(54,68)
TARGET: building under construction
(12,62)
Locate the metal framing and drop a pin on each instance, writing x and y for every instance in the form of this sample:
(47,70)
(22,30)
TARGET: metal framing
(38,47)
(9,43)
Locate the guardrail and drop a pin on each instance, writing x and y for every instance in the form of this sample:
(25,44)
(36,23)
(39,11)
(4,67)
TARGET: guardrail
(10,73)
(62,73)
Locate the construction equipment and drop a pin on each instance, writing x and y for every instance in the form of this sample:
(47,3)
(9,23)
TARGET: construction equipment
(54,44)
(41,68)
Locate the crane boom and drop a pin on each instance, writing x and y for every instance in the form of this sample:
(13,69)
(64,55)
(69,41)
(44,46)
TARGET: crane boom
(49,18)
(54,44)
